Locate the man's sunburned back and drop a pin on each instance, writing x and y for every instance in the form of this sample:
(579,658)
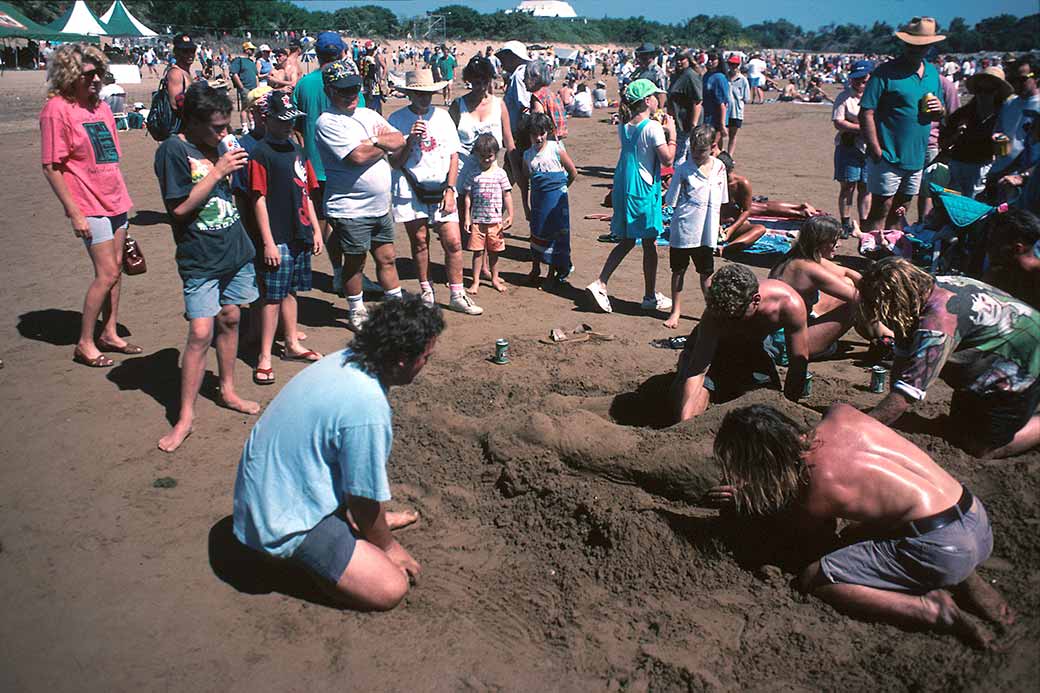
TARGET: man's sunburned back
(862,470)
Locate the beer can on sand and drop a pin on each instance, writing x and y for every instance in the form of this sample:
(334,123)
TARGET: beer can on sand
(501,352)
(227,143)
(878,375)
(807,387)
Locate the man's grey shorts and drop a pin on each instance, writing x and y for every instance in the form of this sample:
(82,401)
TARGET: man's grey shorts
(941,558)
(327,549)
(884,178)
(357,235)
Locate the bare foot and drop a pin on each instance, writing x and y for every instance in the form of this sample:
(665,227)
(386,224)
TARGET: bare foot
(236,403)
(500,286)
(177,435)
(982,599)
(401,518)
(473,289)
(951,619)
(672,322)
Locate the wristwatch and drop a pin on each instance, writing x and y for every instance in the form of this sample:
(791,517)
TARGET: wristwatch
(452,188)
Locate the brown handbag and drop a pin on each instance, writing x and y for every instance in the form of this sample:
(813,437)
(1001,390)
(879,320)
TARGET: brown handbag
(133,258)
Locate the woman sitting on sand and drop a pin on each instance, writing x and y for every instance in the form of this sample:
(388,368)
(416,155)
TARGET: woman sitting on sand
(828,289)
(81,162)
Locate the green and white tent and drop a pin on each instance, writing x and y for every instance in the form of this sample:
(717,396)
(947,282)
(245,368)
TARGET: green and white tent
(78,19)
(118,21)
(15,25)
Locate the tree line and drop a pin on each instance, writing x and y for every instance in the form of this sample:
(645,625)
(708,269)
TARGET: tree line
(1003,32)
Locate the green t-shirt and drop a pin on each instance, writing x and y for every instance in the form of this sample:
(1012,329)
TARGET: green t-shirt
(309,96)
(448,64)
(894,93)
(214,243)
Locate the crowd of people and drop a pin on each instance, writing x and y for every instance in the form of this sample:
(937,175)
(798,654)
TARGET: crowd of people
(318,169)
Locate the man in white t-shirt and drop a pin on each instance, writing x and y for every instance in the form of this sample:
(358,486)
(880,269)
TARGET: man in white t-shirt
(427,163)
(756,74)
(354,144)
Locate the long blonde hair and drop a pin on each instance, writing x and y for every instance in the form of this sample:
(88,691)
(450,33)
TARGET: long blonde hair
(66,66)
(894,292)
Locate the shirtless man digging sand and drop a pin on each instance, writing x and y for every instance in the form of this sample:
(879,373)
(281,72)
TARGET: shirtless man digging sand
(725,356)
(919,534)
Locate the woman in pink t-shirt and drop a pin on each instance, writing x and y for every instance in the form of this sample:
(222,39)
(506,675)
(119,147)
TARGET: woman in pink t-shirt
(81,162)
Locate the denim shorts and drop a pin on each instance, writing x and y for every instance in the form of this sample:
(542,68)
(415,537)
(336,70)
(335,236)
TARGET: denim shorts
(357,235)
(886,179)
(327,549)
(850,165)
(103,229)
(292,275)
(203,296)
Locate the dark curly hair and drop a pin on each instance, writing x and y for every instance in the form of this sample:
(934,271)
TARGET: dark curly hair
(201,101)
(399,329)
(732,289)
(478,68)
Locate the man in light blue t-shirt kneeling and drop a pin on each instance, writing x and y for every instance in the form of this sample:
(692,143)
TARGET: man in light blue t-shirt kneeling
(320,451)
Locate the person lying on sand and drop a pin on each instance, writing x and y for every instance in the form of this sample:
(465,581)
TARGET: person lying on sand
(320,451)
(918,534)
(738,233)
(725,355)
(983,342)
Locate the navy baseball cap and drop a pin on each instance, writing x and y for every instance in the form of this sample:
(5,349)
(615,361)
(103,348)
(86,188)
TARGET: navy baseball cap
(329,43)
(861,68)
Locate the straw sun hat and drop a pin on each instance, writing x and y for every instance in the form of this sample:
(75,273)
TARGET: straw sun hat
(422,80)
(991,75)
(920,31)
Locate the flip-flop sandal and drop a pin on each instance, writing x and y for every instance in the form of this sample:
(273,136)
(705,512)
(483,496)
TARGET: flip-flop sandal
(101,361)
(308,356)
(592,334)
(558,336)
(129,349)
(268,374)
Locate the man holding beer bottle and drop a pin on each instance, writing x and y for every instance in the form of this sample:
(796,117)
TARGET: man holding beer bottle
(901,100)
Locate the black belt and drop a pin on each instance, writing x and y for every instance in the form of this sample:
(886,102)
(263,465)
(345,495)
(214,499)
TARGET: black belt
(938,520)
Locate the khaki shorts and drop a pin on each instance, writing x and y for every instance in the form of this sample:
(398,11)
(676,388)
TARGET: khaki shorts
(486,237)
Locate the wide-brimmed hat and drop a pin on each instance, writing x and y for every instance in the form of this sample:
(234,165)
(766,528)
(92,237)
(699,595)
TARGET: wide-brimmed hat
(920,31)
(646,47)
(248,46)
(991,75)
(422,80)
(861,68)
(517,48)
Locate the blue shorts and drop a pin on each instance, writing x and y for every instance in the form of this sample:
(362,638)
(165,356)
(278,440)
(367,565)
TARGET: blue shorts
(755,82)
(916,564)
(850,165)
(887,179)
(292,275)
(203,297)
(327,549)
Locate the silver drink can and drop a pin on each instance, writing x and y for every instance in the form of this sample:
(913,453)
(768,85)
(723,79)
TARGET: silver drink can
(878,375)
(807,387)
(501,351)
(227,143)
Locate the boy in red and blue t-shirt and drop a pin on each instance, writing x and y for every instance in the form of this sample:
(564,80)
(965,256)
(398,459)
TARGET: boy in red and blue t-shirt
(282,180)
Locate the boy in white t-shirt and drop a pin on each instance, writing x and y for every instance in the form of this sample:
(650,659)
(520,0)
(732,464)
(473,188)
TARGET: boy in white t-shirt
(697,192)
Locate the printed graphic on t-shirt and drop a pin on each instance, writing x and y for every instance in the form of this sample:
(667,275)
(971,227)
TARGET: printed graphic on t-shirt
(104,144)
(220,211)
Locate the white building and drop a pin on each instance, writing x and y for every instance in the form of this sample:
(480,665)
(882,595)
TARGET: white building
(546,8)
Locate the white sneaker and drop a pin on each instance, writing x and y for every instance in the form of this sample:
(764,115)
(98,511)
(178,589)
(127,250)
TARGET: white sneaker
(358,316)
(337,280)
(464,304)
(599,295)
(427,296)
(658,302)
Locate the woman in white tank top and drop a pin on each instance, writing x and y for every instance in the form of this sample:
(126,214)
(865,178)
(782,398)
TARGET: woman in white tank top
(478,112)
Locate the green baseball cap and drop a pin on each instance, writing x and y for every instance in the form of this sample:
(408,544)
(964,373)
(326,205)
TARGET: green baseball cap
(642,88)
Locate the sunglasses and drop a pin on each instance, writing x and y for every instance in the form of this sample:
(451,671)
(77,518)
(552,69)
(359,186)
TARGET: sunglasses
(89,75)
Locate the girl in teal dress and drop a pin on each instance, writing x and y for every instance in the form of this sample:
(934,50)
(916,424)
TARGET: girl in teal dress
(647,144)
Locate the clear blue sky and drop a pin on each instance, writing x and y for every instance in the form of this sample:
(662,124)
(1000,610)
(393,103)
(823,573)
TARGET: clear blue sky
(809,15)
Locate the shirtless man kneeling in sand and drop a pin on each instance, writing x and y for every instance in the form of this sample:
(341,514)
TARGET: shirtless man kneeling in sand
(919,533)
(726,356)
